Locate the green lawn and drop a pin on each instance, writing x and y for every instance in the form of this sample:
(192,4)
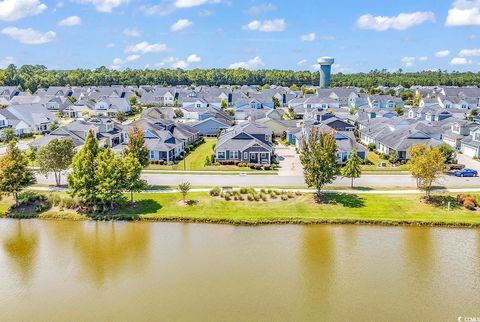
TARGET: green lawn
(195,161)
(337,208)
(340,208)
(376,160)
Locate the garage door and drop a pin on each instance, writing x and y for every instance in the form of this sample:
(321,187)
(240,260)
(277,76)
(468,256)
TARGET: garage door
(471,152)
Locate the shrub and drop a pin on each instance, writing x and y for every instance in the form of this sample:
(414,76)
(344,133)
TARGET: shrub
(250,197)
(298,193)
(258,167)
(215,192)
(469,204)
(371,146)
(290,195)
(470,200)
(256,197)
(227,197)
(243,191)
(461,198)
(267,167)
(263,190)
(273,195)
(264,198)
(29,197)
(240,197)
(284,197)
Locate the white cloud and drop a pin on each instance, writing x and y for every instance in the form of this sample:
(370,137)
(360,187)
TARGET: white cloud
(464,13)
(146,48)
(193,3)
(442,53)
(105,5)
(11,10)
(110,45)
(161,9)
(302,62)
(174,62)
(4,62)
(401,22)
(408,61)
(70,21)
(261,8)
(254,63)
(267,25)
(118,62)
(132,32)
(181,24)
(459,61)
(193,58)
(29,36)
(309,37)
(469,52)
(423,58)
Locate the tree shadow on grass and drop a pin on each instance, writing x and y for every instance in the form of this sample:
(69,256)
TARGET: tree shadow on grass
(345,199)
(141,207)
(440,201)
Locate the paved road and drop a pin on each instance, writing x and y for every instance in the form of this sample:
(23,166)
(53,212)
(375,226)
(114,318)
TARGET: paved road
(283,181)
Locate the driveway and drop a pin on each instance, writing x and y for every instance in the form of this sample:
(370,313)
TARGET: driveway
(469,162)
(289,161)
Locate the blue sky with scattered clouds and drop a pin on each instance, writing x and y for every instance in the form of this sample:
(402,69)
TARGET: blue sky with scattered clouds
(361,35)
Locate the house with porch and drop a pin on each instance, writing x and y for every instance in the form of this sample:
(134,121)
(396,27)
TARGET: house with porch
(248,142)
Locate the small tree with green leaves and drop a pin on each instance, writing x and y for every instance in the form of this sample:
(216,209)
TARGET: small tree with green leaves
(426,165)
(136,146)
(82,180)
(353,167)
(15,175)
(55,157)
(8,134)
(178,113)
(319,159)
(276,102)
(184,188)
(121,116)
(132,170)
(224,104)
(448,153)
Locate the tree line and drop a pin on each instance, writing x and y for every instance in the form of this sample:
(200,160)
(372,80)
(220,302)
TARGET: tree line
(32,77)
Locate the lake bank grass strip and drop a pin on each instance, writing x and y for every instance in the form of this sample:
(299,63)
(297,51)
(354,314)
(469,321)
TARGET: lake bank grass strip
(339,208)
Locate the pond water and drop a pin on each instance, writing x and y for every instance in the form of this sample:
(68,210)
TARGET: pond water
(84,271)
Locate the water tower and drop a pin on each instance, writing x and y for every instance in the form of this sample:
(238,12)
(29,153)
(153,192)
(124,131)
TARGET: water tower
(325,70)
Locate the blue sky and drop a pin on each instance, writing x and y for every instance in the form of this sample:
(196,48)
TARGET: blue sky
(361,35)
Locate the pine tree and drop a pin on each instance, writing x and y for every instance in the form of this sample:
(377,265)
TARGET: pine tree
(110,176)
(352,168)
(15,175)
(319,159)
(55,157)
(132,171)
(137,147)
(82,181)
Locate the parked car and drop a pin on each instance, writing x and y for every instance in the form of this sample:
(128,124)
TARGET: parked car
(466,173)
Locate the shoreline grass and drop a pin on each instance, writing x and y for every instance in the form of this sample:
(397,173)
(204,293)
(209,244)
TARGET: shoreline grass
(339,208)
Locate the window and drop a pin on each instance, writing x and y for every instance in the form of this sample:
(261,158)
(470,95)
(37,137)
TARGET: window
(152,154)
(233,154)
(221,155)
(476,137)
(2,123)
(245,155)
(263,155)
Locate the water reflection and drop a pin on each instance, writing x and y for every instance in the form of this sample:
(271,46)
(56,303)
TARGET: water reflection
(418,249)
(106,250)
(21,246)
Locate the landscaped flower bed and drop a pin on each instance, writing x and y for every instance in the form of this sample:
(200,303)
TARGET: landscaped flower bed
(251,194)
